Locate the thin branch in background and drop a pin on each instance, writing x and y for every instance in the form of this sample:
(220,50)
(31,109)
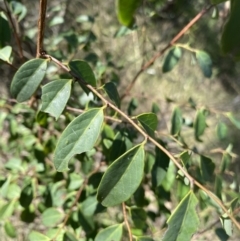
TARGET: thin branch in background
(126,222)
(169,45)
(10,64)
(41,24)
(13,23)
(152,140)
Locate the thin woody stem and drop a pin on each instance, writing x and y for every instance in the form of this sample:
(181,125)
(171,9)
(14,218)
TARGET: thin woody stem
(152,140)
(126,222)
(169,45)
(41,25)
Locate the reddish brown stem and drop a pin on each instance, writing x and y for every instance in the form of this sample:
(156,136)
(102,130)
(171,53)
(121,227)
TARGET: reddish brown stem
(169,45)
(41,24)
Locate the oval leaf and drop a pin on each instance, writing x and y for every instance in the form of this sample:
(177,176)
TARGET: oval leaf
(10,229)
(230,38)
(122,178)
(207,168)
(26,196)
(51,217)
(112,93)
(126,10)
(171,59)
(205,63)
(5,53)
(149,122)
(110,233)
(27,79)
(55,96)
(78,137)
(36,236)
(199,124)
(184,221)
(83,71)
(176,121)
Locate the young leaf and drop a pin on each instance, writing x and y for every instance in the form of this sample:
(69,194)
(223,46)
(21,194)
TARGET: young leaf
(110,233)
(126,10)
(78,137)
(51,217)
(230,38)
(205,63)
(171,59)
(207,168)
(122,177)
(112,93)
(5,53)
(27,79)
(199,124)
(184,220)
(149,122)
(83,70)
(36,236)
(55,96)
(176,121)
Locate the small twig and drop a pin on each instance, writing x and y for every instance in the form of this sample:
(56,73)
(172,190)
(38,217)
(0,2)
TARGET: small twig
(169,45)
(9,14)
(41,24)
(126,221)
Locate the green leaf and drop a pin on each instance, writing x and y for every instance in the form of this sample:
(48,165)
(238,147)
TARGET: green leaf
(199,124)
(176,121)
(149,122)
(84,72)
(122,177)
(26,196)
(69,237)
(112,93)
(226,160)
(139,217)
(218,186)
(5,187)
(234,120)
(27,79)
(171,59)
(5,31)
(221,130)
(51,217)
(207,168)
(5,53)
(230,37)
(184,220)
(126,10)
(36,236)
(18,9)
(78,137)
(205,62)
(110,233)
(55,96)
(7,209)
(10,229)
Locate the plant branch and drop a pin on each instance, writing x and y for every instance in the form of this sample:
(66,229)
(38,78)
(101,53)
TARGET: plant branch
(169,45)
(9,14)
(41,24)
(152,140)
(126,221)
